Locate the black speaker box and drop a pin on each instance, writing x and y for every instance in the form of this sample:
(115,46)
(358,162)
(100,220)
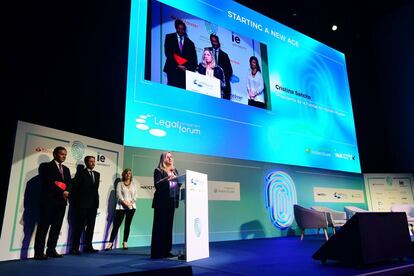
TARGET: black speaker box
(368,238)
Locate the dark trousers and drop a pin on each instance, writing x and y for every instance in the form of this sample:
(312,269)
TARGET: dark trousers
(227,91)
(256,104)
(119,217)
(176,78)
(84,221)
(161,240)
(50,216)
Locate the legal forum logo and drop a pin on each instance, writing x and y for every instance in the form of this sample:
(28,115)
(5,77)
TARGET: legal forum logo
(160,127)
(200,83)
(196,181)
(196,185)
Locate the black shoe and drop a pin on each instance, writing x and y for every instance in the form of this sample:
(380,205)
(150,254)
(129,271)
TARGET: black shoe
(53,254)
(124,246)
(91,250)
(74,252)
(109,246)
(40,257)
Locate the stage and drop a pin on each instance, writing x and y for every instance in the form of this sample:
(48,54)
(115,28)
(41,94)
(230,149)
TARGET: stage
(281,256)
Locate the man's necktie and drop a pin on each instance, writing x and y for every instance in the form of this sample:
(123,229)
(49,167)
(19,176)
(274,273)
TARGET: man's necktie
(93,179)
(61,171)
(216,55)
(181,44)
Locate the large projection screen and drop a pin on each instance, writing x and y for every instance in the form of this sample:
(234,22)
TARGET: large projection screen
(306,118)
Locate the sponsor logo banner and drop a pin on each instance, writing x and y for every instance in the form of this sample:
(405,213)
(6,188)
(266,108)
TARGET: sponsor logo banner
(217,190)
(146,188)
(322,194)
(221,190)
(385,190)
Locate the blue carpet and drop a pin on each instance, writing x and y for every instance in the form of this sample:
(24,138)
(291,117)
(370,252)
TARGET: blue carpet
(281,256)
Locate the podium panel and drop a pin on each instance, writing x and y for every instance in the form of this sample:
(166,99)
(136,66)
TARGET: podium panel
(202,84)
(196,216)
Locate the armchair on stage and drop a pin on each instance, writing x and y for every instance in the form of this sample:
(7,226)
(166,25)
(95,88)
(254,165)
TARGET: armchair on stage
(352,210)
(308,219)
(335,218)
(408,209)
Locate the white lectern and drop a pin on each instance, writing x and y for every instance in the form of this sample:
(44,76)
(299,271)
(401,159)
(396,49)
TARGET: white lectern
(202,84)
(195,195)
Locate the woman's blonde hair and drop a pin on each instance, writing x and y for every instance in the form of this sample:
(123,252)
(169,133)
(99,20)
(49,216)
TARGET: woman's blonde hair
(213,59)
(161,164)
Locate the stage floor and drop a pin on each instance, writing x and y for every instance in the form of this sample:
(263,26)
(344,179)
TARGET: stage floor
(276,256)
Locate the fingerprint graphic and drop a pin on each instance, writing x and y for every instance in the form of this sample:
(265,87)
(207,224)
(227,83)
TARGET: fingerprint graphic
(280,198)
(197,227)
(77,149)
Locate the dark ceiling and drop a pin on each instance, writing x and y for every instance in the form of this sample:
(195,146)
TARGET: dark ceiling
(316,17)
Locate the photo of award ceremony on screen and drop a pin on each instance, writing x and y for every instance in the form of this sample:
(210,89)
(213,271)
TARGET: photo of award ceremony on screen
(214,61)
(222,80)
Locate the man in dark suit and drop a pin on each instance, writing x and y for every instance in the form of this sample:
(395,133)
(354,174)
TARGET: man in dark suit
(55,180)
(181,55)
(84,201)
(223,60)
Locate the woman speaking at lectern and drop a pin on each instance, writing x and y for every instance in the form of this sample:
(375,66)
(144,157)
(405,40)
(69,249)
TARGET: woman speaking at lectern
(210,68)
(165,201)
